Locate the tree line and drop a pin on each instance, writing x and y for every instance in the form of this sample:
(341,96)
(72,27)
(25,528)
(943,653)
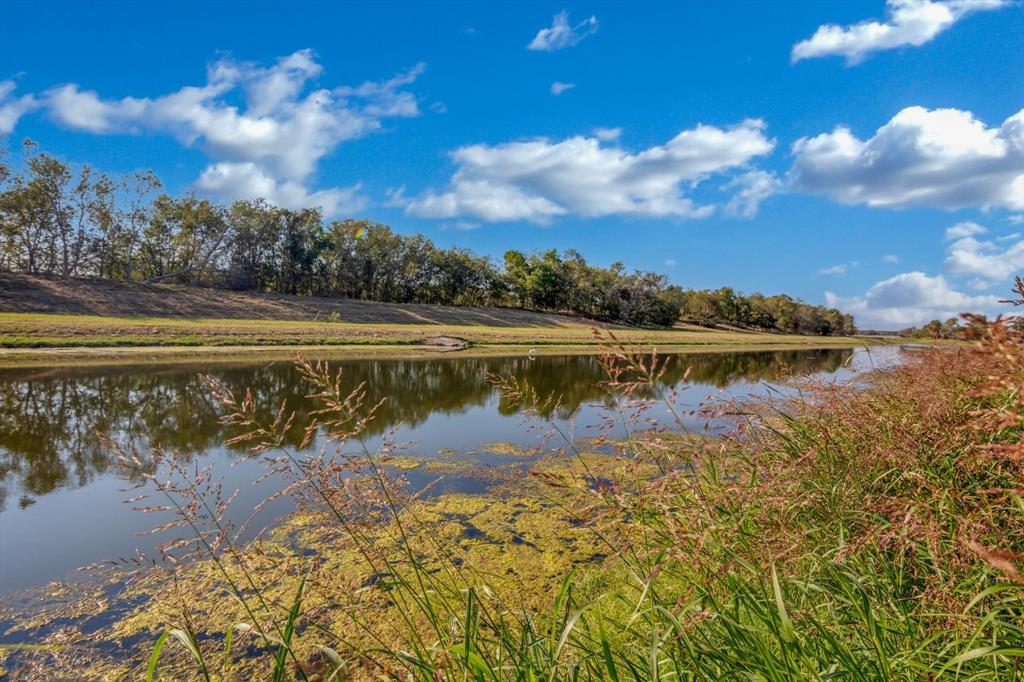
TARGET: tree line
(69,222)
(936,329)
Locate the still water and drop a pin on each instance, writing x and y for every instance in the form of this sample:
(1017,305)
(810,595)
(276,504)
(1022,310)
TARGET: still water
(60,493)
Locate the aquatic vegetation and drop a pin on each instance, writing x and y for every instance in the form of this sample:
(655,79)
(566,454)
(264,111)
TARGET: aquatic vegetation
(517,546)
(507,450)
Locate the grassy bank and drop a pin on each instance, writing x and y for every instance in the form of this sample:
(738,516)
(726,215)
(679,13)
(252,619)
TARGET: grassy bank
(207,355)
(102,315)
(28,330)
(845,532)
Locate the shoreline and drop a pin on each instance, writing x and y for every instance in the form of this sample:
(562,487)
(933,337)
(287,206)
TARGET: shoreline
(66,339)
(12,358)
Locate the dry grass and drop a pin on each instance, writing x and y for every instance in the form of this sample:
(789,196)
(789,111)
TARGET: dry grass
(46,313)
(21,293)
(27,330)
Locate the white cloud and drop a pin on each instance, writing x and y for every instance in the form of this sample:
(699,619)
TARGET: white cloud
(964,229)
(394,197)
(558,87)
(486,201)
(834,270)
(890,258)
(229,181)
(539,179)
(1009,237)
(70,106)
(12,108)
(267,89)
(274,142)
(840,269)
(943,157)
(607,134)
(386,99)
(561,35)
(1016,219)
(912,298)
(909,22)
(755,186)
(988,263)
(671,262)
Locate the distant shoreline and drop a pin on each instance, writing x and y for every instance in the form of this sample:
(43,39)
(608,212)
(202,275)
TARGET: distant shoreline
(137,355)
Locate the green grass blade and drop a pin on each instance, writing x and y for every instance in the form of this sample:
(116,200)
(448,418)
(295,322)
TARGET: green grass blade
(606,651)
(188,639)
(474,662)
(155,657)
(282,649)
(785,624)
(467,627)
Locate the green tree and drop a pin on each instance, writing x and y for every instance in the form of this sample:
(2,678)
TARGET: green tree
(546,283)
(49,214)
(701,308)
(121,218)
(298,251)
(254,232)
(517,275)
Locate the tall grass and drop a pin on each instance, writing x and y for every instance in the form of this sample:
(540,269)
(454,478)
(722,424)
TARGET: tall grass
(846,532)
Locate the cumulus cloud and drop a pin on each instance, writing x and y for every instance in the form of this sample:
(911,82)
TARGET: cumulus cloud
(558,87)
(12,108)
(84,110)
(541,179)
(561,35)
(987,262)
(964,229)
(908,22)
(754,187)
(272,145)
(890,258)
(230,181)
(944,158)
(912,298)
(485,200)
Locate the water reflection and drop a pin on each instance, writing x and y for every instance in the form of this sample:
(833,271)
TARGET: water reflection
(50,418)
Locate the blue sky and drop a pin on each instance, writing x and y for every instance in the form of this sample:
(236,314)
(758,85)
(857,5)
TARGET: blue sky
(775,147)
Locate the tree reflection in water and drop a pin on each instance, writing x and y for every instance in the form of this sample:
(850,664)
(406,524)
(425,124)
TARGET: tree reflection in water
(50,418)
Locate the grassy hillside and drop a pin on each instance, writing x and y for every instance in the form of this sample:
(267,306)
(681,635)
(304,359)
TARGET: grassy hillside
(109,298)
(44,313)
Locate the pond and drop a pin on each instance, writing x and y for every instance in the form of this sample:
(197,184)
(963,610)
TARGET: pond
(61,499)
